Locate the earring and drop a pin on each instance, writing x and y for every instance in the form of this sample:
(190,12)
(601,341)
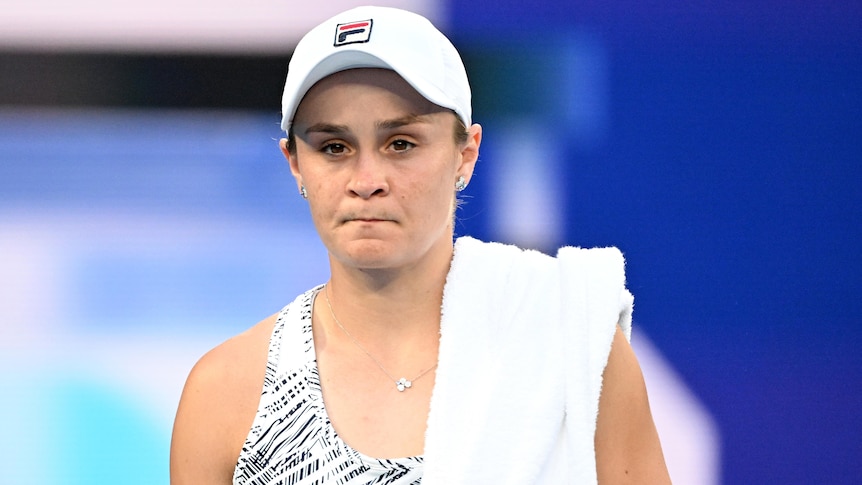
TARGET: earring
(303,192)
(460,184)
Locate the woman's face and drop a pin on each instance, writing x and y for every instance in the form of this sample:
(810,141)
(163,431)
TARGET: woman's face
(379,163)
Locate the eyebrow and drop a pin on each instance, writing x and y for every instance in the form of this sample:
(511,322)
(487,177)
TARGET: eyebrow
(330,128)
(326,128)
(403,121)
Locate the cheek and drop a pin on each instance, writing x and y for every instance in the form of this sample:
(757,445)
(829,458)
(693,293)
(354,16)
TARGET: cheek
(432,196)
(322,199)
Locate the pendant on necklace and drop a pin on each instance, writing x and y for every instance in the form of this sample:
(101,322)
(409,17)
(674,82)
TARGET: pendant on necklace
(403,384)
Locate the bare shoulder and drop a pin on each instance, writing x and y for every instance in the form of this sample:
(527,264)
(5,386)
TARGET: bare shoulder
(628,450)
(217,407)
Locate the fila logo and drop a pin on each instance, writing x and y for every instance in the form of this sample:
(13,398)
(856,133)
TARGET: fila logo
(353,32)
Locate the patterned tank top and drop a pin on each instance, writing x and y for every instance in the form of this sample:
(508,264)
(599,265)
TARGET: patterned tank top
(291,441)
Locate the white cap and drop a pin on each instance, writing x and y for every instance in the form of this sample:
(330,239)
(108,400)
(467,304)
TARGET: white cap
(380,37)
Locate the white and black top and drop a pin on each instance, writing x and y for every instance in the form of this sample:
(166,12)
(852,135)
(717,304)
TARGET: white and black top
(291,441)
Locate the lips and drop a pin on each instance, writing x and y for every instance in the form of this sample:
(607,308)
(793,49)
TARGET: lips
(368,218)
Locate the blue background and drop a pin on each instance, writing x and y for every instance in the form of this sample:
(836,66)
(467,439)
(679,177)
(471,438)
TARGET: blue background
(730,175)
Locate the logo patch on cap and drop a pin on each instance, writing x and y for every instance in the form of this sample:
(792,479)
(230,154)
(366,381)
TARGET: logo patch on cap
(353,32)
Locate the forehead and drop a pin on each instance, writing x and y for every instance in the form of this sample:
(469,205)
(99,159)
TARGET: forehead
(354,87)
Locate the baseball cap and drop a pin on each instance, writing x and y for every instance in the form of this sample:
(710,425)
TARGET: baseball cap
(380,37)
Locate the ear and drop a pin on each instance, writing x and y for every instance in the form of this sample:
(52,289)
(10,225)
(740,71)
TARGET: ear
(291,161)
(470,152)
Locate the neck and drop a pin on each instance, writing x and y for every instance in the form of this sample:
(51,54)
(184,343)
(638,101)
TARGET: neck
(390,306)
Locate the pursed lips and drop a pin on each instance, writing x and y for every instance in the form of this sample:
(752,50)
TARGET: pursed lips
(368,219)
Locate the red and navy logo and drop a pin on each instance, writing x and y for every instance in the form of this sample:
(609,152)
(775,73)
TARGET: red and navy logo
(353,32)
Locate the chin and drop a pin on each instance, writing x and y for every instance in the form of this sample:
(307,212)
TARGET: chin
(369,254)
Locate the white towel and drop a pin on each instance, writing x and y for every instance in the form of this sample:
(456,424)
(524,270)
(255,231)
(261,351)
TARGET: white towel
(520,364)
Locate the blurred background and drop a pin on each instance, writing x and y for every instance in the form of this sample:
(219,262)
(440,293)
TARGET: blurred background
(146,213)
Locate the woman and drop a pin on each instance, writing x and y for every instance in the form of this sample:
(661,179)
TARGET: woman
(364,379)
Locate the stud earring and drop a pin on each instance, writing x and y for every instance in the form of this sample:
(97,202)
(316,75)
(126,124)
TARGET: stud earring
(460,184)
(303,192)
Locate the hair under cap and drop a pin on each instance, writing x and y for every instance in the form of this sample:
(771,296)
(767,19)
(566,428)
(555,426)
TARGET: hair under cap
(380,37)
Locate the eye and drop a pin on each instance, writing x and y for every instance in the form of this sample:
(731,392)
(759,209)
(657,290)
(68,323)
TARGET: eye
(334,149)
(402,145)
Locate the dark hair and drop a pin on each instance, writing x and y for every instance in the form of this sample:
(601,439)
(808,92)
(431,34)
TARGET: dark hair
(460,134)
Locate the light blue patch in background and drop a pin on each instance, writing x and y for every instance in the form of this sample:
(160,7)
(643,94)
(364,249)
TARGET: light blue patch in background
(106,437)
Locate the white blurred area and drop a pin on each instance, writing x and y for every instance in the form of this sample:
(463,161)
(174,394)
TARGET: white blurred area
(690,437)
(174,25)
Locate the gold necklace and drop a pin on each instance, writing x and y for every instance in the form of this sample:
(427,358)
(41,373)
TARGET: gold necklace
(400,384)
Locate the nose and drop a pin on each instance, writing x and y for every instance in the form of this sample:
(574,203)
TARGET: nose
(369,176)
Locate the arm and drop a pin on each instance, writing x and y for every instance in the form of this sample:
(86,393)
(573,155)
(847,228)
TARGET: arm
(628,450)
(198,445)
(217,408)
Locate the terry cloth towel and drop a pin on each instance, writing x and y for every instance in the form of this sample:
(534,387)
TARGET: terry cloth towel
(524,340)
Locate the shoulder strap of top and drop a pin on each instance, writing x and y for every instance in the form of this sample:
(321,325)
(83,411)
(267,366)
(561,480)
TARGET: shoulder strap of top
(291,344)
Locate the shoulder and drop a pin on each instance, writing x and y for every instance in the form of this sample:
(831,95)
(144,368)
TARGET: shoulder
(217,407)
(627,443)
(233,367)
